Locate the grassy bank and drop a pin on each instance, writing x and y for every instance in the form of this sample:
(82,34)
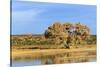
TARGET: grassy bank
(38,53)
(31,47)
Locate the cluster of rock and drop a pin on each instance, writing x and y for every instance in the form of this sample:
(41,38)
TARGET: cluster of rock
(67,33)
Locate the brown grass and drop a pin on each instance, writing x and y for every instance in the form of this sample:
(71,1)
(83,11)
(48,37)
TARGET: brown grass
(37,53)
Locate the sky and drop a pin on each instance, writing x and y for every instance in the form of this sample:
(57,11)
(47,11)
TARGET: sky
(35,17)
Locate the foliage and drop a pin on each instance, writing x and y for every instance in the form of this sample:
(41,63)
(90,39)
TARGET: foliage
(66,35)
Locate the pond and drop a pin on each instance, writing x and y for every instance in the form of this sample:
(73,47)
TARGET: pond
(21,63)
(57,58)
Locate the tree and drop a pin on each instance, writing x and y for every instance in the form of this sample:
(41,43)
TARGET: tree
(67,33)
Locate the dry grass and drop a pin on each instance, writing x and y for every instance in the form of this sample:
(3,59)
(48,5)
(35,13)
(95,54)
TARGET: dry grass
(37,53)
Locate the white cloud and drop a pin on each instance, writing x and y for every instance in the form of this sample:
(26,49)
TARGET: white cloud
(23,16)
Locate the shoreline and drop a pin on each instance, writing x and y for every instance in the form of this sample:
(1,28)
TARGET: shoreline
(38,53)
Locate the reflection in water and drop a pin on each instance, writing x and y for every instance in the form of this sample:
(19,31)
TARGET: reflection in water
(47,61)
(26,63)
(73,57)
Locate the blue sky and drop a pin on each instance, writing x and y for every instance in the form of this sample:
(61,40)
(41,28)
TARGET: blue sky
(35,17)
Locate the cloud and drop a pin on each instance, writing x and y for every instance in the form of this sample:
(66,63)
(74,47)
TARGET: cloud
(22,20)
(21,16)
